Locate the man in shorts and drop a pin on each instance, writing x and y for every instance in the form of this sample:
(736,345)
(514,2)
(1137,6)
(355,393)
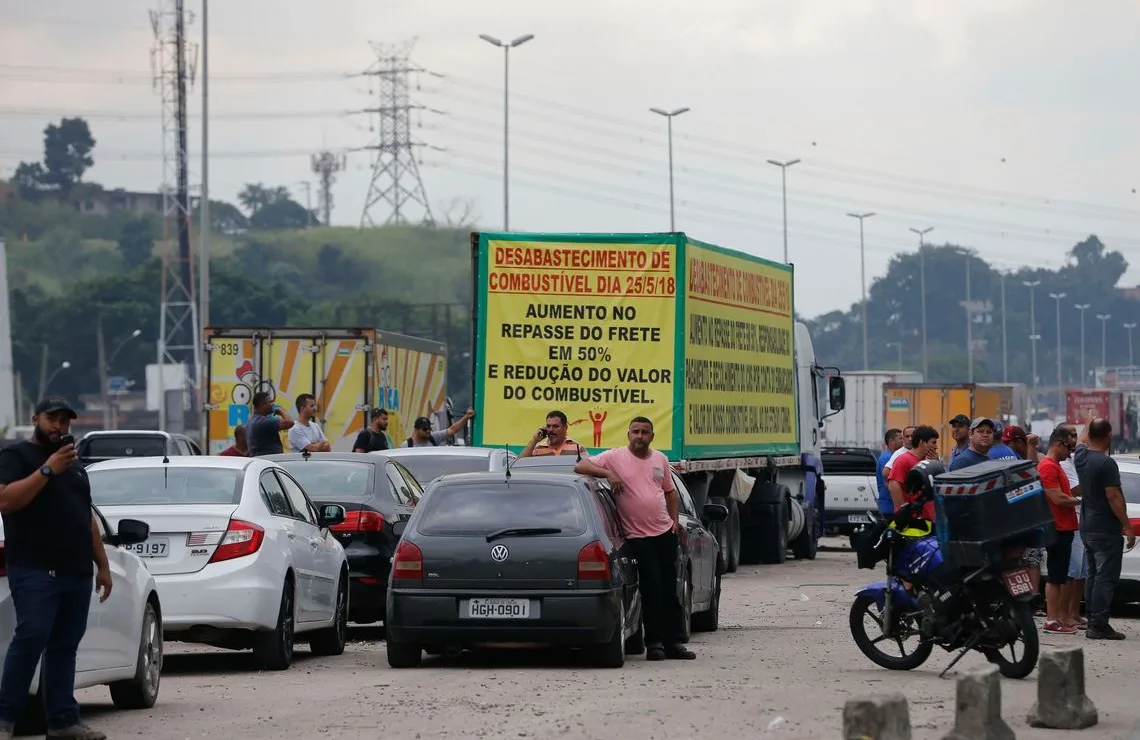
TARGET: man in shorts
(1073,592)
(1063,505)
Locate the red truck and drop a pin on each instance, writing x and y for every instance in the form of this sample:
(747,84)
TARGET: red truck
(1081,402)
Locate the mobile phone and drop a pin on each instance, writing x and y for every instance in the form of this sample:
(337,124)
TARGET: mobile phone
(66,440)
(542,433)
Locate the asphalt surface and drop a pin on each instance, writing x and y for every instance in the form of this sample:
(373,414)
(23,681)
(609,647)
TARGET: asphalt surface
(781,666)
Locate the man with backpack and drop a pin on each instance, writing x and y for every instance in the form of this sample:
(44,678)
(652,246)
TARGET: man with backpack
(423,436)
(375,437)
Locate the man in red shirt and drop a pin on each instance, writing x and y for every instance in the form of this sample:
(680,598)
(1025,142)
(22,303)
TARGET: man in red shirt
(923,445)
(1063,504)
(239,448)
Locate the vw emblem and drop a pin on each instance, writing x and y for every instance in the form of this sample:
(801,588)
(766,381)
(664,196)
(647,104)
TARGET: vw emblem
(499,553)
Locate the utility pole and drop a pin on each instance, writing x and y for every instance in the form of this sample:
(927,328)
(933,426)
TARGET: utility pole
(101,352)
(922,289)
(1057,297)
(1081,307)
(784,189)
(969,325)
(669,115)
(179,336)
(1032,285)
(396,181)
(863,281)
(1004,347)
(506,47)
(899,347)
(1104,317)
(325,165)
(204,224)
(1130,326)
(308,186)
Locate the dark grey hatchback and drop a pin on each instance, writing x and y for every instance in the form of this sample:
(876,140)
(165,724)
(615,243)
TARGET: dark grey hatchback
(494,559)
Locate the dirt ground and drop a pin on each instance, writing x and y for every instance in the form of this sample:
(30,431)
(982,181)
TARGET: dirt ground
(781,666)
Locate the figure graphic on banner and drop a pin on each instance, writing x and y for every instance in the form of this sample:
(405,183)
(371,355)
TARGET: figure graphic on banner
(597,419)
(249,383)
(389,396)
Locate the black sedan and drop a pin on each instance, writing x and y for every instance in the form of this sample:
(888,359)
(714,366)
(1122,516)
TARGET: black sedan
(700,562)
(529,558)
(377,494)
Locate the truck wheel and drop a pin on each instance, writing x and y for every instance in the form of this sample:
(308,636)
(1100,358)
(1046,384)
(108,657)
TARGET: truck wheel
(732,555)
(772,533)
(806,545)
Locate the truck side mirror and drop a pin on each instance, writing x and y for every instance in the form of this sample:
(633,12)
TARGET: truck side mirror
(836,392)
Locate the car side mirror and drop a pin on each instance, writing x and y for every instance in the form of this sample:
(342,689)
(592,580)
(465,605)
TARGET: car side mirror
(836,393)
(398,528)
(715,512)
(332,515)
(131,532)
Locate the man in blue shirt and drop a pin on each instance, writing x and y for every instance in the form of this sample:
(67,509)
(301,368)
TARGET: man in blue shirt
(960,433)
(981,440)
(892,441)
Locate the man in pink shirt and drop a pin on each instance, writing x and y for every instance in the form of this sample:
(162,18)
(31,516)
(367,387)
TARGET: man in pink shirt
(648,507)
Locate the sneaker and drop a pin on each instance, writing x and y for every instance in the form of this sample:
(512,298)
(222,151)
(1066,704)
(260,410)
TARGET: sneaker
(1059,628)
(655,652)
(77,731)
(679,652)
(1103,633)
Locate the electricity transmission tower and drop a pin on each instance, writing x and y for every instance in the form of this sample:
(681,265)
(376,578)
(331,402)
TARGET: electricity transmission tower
(325,165)
(173,72)
(396,180)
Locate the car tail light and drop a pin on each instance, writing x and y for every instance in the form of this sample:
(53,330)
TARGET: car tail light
(241,539)
(593,563)
(408,565)
(1135,527)
(361,521)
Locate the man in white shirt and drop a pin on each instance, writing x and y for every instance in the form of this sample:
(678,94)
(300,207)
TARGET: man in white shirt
(907,431)
(306,434)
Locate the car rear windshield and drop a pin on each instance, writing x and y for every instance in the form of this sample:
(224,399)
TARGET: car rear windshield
(123,446)
(862,462)
(154,486)
(328,479)
(426,468)
(479,509)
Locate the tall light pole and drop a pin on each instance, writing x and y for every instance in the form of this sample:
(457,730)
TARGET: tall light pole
(1130,326)
(1004,347)
(506,47)
(898,346)
(1057,297)
(47,383)
(669,116)
(204,214)
(1082,307)
(862,280)
(1104,317)
(1032,285)
(969,325)
(784,188)
(922,288)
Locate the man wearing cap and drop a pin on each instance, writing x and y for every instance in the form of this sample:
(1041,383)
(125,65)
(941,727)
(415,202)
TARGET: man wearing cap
(1015,445)
(53,547)
(960,433)
(981,440)
(375,437)
(423,436)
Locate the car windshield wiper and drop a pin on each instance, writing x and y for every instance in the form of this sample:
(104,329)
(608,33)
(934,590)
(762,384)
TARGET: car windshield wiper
(521,532)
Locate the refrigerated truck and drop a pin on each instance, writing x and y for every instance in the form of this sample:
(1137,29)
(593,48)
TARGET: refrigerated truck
(699,339)
(861,422)
(934,404)
(350,371)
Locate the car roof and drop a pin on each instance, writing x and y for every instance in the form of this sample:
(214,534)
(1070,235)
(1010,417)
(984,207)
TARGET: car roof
(455,450)
(222,462)
(355,457)
(500,476)
(131,433)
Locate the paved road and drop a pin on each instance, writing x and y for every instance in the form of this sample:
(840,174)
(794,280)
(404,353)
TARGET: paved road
(781,666)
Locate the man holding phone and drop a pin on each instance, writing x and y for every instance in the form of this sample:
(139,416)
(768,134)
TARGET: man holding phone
(52,547)
(552,440)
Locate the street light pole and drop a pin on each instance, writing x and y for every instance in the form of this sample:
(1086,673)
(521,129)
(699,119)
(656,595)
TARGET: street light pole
(1032,284)
(506,47)
(669,116)
(1104,317)
(1057,297)
(1004,348)
(862,281)
(47,383)
(969,325)
(899,347)
(784,188)
(1081,307)
(922,288)
(1130,326)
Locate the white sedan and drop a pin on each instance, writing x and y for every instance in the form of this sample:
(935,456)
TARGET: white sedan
(242,557)
(1129,587)
(122,647)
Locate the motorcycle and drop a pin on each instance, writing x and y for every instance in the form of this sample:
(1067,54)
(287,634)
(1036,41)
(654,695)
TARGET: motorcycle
(927,596)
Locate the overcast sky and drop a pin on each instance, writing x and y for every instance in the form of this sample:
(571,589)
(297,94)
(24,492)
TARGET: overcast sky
(1011,126)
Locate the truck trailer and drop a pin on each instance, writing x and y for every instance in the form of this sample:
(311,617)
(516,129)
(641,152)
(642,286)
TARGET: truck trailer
(934,404)
(350,371)
(699,339)
(861,422)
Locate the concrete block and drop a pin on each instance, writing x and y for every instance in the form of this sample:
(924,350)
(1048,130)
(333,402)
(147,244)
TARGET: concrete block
(1061,700)
(878,717)
(978,712)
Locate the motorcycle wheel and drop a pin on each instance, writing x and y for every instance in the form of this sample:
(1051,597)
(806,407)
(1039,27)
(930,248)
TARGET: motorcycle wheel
(865,606)
(1020,615)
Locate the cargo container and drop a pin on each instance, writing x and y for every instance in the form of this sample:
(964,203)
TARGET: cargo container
(934,404)
(349,370)
(860,423)
(1013,402)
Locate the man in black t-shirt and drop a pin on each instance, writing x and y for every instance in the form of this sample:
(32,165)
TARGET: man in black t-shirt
(374,438)
(1104,525)
(52,547)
